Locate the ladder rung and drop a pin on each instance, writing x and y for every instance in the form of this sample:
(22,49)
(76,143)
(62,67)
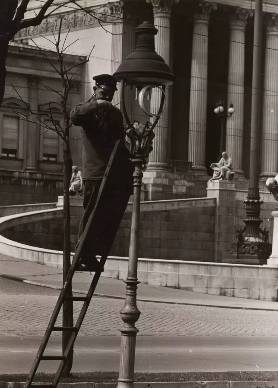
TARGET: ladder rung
(60,328)
(77,298)
(41,385)
(53,357)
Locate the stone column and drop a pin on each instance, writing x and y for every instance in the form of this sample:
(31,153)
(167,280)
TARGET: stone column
(159,157)
(198,88)
(235,124)
(123,43)
(269,161)
(32,147)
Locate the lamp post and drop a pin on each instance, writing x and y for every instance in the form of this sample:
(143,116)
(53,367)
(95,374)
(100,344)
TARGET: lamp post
(252,246)
(145,70)
(222,116)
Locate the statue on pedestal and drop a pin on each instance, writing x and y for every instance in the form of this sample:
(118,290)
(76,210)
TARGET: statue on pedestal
(223,170)
(272,186)
(76,182)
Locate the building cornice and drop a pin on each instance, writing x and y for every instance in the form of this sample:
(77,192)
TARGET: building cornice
(77,19)
(110,11)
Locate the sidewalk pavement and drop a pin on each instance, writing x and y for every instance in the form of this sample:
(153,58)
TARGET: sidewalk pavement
(42,275)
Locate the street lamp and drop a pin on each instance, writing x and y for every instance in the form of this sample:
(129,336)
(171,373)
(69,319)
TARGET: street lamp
(252,246)
(145,70)
(222,115)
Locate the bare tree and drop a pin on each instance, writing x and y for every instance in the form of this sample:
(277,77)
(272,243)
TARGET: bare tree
(66,74)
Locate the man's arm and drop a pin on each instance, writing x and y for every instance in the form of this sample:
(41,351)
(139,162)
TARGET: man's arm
(84,112)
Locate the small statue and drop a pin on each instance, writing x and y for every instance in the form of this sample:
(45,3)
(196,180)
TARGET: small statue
(272,186)
(223,169)
(76,182)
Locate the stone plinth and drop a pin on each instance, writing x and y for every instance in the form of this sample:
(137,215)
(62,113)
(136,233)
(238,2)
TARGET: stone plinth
(273,259)
(161,185)
(225,221)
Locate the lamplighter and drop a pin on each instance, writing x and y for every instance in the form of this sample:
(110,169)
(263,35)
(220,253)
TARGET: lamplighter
(145,70)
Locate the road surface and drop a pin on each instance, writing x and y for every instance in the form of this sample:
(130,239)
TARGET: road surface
(171,338)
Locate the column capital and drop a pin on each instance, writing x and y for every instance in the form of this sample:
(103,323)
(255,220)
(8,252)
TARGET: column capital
(239,18)
(204,10)
(162,6)
(116,9)
(272,23)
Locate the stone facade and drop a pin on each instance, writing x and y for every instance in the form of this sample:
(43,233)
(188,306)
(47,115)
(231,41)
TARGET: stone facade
(208,45)
(27,174)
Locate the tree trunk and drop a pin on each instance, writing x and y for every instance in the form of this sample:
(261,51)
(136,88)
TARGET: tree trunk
(68,305)
(3,57)
(7,12)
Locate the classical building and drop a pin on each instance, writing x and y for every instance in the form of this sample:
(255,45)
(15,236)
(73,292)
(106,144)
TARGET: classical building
(208,45)
(31,156)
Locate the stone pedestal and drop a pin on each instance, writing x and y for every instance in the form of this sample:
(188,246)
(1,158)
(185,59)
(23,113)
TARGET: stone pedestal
(165,185)
(273,259)
(225,222)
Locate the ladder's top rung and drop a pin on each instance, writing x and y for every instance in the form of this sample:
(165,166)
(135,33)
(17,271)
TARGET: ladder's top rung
(77,298)
(60,328)
(41,385)
(53,357)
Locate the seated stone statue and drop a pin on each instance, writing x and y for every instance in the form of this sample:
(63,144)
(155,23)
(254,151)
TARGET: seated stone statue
(76,182)
(223,169)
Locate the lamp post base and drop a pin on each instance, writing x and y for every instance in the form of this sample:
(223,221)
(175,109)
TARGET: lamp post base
(252,246)
(251,254)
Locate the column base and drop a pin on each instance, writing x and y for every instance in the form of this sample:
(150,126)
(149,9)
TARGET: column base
(273,258)
(164,167)
(272,261)
(201,170)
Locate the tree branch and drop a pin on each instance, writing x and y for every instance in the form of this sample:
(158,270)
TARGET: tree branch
(36,20)
(21,11)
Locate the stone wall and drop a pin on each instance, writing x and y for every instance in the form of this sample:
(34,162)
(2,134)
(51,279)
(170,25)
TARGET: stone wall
(47,234)
(29,187)
(182,230)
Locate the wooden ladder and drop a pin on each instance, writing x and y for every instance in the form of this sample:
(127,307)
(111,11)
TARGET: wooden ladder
(51,328)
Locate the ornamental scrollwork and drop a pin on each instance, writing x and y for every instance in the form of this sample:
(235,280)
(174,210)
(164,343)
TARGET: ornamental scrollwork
(76,19)
(272,22)
(204,10)
(139,139)
(164,6)
(116,9)
(239,17)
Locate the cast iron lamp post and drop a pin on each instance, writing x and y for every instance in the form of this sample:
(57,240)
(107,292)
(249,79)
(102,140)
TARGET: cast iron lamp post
(145,70)
(222,116)
(252,246)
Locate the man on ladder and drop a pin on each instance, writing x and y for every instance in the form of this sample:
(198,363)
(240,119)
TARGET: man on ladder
(102,126)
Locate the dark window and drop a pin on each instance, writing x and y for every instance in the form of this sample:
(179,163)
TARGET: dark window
(10,136)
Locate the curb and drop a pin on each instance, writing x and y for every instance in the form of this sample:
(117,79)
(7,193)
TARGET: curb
(186,384)
(34,283)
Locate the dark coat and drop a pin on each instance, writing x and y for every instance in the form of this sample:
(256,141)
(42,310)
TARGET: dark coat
(102,126)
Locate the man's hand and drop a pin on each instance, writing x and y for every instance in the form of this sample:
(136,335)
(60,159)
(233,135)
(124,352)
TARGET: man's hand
(104,103)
